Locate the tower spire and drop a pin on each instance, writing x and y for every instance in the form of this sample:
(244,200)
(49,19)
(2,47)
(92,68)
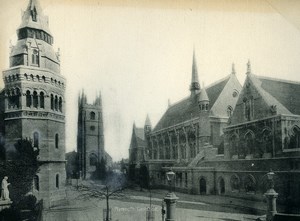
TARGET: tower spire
(33,17)
(195,86)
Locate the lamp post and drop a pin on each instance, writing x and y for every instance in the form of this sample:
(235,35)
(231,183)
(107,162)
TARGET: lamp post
(271,196)
(170,198)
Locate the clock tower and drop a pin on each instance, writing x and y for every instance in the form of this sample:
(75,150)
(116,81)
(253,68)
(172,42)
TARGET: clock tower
(35,102)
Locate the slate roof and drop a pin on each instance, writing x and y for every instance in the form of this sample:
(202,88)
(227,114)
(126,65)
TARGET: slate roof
(42,20)
(187,108)
(286,92)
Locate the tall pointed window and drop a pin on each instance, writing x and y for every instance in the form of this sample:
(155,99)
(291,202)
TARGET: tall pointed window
(56,141)
(248,109)
(35,57)
(52,102)
(36,139)
(249,142)
(92,115)
(28,99)
(56,103)
(42,100)
(229,111)
(57,181)
(295,138)
(60,104)
(35,99)
(33,14)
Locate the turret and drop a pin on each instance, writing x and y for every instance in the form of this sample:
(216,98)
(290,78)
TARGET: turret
(203,100)
(147,126)
(34,45)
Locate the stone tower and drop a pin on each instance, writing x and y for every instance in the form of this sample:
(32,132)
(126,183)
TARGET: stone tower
(90,137)
(35,102)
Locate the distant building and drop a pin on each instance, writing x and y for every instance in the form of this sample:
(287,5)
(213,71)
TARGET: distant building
(32,103)
(90,136)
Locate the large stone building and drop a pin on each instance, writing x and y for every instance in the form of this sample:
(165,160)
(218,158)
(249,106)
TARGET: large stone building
(33,102)
(90,136)
(224,138)
(191,129)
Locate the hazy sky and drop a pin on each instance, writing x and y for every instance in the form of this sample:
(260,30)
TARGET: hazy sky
(139,53)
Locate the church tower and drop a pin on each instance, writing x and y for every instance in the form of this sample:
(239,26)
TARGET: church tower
(35,102)
(90,136)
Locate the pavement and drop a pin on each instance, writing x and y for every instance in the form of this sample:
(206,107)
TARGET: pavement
(133,206)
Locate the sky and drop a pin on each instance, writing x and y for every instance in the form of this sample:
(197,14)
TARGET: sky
(139,53)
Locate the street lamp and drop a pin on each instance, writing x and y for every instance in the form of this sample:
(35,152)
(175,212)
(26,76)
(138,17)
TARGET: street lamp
(270,176)
(170,177)
(271,196)
(170,198)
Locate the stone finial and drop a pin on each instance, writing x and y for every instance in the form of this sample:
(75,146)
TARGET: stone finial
(233,69)
(248,67)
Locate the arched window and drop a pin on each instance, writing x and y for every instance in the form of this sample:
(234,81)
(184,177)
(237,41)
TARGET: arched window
(36,182)
(57,181)
(33,14)
(36,139)
(295,138)
(206,106)
(35,57)
(249,142)
(229,111)
(28,99)
(248,108)
(250,184)
(17,98)
(93,159)
(267,143)
(52,102)
(35,99)
(233,142)
(56,141)
(42,100)
(56,103)
(235,183)
(92,115)
(60,104)
(44,78)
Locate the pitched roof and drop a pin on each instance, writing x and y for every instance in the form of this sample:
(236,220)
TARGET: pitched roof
(139,132)
(188,108)
(137,138)
(286,92)
(42,20)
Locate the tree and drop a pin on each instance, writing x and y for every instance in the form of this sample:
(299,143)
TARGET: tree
(100,172)
(112,186)
(21,165)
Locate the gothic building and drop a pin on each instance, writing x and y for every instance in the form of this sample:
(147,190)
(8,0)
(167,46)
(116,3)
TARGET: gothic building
(189,130)
(223,139)
(90,136)
(33,102)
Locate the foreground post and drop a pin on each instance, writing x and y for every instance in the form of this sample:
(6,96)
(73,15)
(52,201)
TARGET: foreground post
(271,196)
(170,199)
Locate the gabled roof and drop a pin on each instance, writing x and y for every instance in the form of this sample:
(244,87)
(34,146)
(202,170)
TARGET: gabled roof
(268,97)
(187,108)
(137,138)
(285,92)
